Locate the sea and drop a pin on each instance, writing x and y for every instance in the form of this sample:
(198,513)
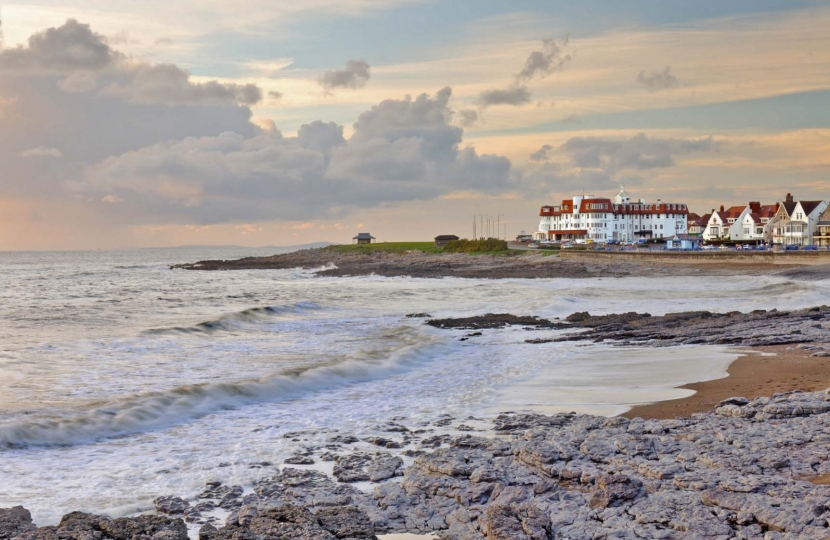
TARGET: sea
(122,380)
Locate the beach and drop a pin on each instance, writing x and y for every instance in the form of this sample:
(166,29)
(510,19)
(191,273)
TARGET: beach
(760,371)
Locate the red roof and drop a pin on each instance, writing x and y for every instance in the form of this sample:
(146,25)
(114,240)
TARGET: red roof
(569,231)
(605,206)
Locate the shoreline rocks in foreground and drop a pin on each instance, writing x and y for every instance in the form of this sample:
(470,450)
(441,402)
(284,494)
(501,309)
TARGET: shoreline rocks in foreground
(740,471)
(748,469)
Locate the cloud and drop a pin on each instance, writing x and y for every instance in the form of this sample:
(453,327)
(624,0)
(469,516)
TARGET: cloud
(548,177)
(86,63)
(660,80)
(400,150)
(354,75)
(247,228)
(515,96)
(112,199)
(170,85)
(467,117)
(639,152)
(275,96)
(541,154)
(551,58)
(41,151)
(267,68)
(67,48)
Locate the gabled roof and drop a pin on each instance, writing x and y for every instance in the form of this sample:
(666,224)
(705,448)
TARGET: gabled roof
(735,212)
(768,210)
(809,206)
(789,207)
(363,236)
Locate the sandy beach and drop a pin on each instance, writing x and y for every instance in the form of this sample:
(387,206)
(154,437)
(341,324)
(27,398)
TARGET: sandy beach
(760,371)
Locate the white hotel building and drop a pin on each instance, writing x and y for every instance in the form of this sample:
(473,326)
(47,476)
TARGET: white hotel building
(592,218)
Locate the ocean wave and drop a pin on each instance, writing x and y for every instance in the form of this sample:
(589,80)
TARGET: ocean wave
(399,349)
(233,321)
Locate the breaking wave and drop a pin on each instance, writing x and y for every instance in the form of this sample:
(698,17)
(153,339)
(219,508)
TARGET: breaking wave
(401,349)
(234,321)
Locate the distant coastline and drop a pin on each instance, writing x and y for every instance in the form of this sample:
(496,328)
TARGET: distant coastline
(343,261)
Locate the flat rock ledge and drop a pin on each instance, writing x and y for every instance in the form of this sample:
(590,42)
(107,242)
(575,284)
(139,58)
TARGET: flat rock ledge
(740,471)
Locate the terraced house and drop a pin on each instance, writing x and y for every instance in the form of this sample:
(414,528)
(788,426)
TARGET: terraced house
(721,222)
(796,222)
(750,223)
(601,219)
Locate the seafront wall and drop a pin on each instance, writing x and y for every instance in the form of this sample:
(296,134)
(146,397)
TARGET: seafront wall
(703,257)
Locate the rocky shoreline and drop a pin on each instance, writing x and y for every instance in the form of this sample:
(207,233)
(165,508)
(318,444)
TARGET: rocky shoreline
(524,264)
(748,469)
(741,471)
(808,327)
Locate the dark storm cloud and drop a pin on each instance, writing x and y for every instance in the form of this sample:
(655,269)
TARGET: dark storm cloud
(354,75)
(659,80)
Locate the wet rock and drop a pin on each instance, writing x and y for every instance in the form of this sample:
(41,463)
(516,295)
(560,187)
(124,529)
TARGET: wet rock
(346,522)
(171,505)
(516,522)
(696,327)
(364,466)
(299,460)
(82,526)
(383,442)
(493,320)
(15,521)
(344,439)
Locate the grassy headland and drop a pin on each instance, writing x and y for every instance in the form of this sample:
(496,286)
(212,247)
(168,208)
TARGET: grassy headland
(473,247)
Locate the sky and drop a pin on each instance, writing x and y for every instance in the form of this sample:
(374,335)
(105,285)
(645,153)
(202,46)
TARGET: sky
(127,123)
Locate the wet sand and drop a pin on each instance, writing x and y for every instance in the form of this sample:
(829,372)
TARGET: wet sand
(761,371)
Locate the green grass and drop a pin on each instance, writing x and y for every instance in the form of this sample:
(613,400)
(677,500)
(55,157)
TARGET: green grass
(426,247)
(401,247)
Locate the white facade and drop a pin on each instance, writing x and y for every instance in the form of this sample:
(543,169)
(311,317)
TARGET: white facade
(600,219)
(796,222)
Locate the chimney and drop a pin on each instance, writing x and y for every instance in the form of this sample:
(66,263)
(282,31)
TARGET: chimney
(755,207)
(722,208)
(789,197)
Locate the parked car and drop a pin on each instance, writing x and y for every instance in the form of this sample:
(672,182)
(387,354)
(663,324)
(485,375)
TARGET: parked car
(567,245)
(792,247)
(580,242)
(612,242)
(810,248)
(533,245)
